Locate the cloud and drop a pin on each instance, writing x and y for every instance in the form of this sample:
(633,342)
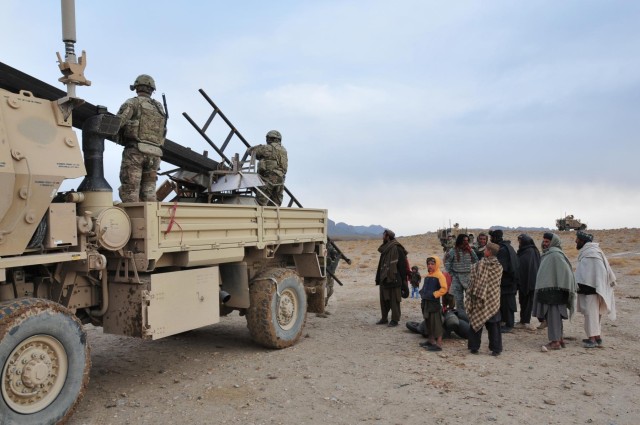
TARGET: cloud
(324,102)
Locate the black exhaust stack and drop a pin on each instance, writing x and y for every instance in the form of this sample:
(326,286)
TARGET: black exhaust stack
(94,130)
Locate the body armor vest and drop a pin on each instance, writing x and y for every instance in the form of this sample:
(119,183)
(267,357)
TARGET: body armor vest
(147,123)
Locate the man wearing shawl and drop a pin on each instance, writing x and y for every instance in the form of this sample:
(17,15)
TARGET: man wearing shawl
(458,262)
(483,301)
(595,281)
(390,276)
(509,280)
(529,262)
(554,297)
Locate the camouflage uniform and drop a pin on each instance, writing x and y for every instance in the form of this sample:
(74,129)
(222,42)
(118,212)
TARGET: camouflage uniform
(138,176)
(333,258)
(143,127)
(272,168)
(449,244)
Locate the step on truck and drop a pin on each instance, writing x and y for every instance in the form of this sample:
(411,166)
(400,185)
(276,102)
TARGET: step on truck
(146,269)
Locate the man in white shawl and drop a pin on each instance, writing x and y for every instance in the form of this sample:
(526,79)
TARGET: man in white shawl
(595,288)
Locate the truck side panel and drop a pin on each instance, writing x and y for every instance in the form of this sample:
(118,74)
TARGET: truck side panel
(181,301)
(224,231)
(164,304)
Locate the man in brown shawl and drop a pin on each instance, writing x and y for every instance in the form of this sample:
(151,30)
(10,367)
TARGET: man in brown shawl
(390,276)
(483,301)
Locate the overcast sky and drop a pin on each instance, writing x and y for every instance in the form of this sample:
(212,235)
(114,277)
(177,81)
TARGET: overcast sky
(405,114)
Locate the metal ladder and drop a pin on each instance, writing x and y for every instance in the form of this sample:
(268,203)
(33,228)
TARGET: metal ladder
(232,132)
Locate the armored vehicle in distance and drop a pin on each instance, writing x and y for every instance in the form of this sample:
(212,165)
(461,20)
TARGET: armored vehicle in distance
(570,223)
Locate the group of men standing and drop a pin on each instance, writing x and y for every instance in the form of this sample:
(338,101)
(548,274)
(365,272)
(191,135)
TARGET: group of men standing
(487,277)
(460,260)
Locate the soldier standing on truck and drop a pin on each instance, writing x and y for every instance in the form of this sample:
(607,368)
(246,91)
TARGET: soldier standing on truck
(143,124)
(272,168)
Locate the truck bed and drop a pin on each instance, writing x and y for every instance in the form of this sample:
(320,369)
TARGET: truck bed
(209,234)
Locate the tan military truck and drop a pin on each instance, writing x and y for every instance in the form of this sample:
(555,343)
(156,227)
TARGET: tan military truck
(570,223)
(145,269)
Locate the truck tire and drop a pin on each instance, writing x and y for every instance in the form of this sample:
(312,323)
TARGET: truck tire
(583,227)
(276,318)
(45,362)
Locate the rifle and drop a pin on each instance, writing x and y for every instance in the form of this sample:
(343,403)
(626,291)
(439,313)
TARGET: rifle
(166,109)
(166,113)
(334,277)
(344,257)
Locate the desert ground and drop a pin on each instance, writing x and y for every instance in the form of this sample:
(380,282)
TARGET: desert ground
(347,370)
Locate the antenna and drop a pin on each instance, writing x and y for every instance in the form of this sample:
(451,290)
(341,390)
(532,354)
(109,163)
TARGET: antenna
(72,68)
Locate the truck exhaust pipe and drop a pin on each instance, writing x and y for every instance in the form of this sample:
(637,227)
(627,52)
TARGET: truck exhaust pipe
(94,131)
(97,191)
(224,296)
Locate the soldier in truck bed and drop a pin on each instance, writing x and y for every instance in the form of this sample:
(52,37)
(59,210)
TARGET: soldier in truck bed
(272,168)
(142,129)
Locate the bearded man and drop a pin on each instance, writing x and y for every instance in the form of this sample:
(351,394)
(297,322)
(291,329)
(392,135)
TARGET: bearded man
(390,277)
(595,281)
(458,262)
(529,262)
(555,293)
(509,282)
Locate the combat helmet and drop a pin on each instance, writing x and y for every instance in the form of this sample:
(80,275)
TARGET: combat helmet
(274,134)
(143,80)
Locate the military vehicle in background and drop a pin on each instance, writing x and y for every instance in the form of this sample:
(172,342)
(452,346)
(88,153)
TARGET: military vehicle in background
(570,223)
(447,236)
(143,269)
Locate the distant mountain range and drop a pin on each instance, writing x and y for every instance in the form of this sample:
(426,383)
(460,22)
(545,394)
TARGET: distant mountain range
(344,229)
(374,230)
(521,229)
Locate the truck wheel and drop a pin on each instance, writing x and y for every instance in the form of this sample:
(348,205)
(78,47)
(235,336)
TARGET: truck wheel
(45,361)
(276,317)
(583,227)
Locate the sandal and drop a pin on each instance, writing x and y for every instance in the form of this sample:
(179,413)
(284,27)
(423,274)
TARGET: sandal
(553,345)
